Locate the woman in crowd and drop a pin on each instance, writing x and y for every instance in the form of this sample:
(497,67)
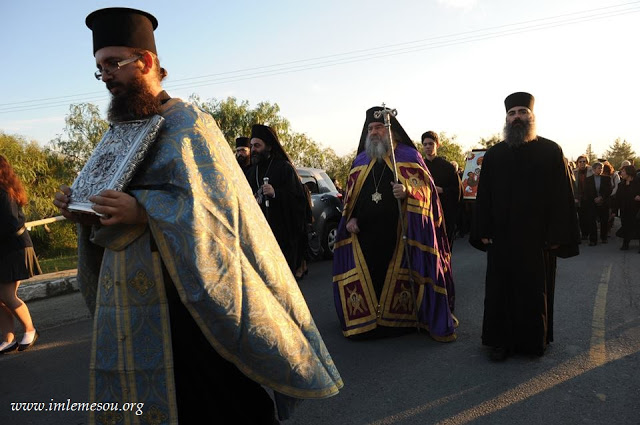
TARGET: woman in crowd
(607,170)
(628,201)
(17,261)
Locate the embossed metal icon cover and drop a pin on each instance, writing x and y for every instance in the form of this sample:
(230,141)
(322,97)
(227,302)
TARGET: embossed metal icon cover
(114,160)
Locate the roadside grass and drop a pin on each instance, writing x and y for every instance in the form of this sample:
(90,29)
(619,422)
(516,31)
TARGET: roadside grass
(58,264)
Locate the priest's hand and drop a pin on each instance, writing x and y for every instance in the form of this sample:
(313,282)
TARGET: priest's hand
(62,199)
(118,207)
(439,189)
(399,191)
(268,190)
(352,226)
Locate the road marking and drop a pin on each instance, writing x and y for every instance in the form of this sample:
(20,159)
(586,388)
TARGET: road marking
(564,372)
(627,344)
(598,350)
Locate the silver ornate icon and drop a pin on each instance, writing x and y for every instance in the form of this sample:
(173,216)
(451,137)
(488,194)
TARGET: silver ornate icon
(114,160)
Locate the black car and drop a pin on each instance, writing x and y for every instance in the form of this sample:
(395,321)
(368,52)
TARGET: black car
(326,203)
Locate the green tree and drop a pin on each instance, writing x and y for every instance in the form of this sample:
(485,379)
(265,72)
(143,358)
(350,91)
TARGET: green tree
(235,118)
(487,143)
(590,154)
(232,117)
(41,171)
(618,152)
(450,150)
(339,166)
(83,130)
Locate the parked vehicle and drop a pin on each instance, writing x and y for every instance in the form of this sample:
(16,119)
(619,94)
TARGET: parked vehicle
(326,204)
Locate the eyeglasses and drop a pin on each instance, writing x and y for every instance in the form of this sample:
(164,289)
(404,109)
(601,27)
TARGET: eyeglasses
(111,67)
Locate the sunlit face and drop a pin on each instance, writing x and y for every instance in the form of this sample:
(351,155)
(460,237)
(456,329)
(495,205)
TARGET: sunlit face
(259,150)
(429,147)
(376,131)
(242,152)
(582,163)
(518,112)
(597,170)
(107,59)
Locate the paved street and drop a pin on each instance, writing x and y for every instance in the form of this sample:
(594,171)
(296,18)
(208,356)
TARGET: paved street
(588,376)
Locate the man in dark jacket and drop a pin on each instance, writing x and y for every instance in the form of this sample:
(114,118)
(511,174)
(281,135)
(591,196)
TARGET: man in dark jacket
(446,179)
(597,193)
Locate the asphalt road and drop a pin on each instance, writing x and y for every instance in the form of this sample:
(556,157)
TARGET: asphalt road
(589,375)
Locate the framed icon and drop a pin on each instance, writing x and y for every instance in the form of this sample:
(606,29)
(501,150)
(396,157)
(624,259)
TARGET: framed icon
(471,176)
(114,161)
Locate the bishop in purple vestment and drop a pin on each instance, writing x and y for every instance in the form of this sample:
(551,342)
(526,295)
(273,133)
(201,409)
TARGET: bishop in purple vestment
(379,280)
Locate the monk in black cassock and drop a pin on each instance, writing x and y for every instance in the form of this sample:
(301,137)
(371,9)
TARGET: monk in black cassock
(281,197)
(243,153)
(445,177)
(525,218)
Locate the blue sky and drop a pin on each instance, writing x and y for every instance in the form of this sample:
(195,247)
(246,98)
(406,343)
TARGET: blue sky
(445,65)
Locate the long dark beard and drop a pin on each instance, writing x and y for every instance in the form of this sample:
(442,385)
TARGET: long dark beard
(378,148)
(258,157)
(136,102)
(519,132)
(244,161)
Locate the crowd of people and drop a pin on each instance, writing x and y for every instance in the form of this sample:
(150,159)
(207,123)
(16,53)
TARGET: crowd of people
(601,194)
(196,262)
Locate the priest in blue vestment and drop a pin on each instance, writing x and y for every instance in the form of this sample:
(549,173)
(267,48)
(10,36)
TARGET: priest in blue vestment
(195,308)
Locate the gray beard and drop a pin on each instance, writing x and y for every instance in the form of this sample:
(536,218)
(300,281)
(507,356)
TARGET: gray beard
(378,148)
(519,134)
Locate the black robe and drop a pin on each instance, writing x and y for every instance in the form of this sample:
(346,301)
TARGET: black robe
(378,223)
(525,206)
(286,212)
(629,208)
(444,175)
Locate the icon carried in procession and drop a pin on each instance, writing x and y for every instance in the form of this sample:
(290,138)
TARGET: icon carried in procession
(471,176)
(114,160)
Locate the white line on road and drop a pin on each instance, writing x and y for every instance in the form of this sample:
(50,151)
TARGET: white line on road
(598,351)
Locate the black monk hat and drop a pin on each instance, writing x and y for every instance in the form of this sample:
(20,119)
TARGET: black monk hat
(121,26)
(242,142)
(264,133)
(519,99)
(396,128)
(270,138)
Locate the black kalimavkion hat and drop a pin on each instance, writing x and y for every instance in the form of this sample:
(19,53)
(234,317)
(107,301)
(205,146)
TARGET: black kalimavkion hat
(270,138)
(519,99)
(121,26)
(242,142)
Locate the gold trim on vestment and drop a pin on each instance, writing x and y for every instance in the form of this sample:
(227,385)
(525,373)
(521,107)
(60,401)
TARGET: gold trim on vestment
(166,330)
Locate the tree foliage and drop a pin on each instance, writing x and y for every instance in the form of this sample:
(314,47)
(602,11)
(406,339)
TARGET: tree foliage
(83,130)
(41,171)
(235,119)
(450,150)
(618,152)
(487,143)
(590,154)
